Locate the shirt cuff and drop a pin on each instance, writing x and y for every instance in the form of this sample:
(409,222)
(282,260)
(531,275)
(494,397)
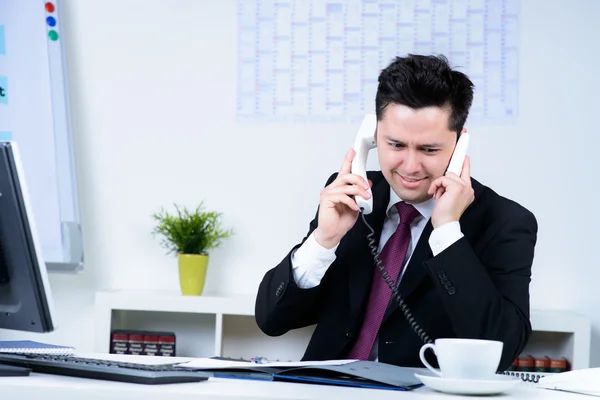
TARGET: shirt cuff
(310,262)
(444,236)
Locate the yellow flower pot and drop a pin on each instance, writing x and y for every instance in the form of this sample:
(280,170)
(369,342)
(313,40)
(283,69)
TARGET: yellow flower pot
(192,273)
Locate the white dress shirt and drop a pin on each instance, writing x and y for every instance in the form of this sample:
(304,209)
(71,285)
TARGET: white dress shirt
(311,260)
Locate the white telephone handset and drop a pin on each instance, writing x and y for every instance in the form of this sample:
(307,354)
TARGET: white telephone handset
(460,152)
(365,141)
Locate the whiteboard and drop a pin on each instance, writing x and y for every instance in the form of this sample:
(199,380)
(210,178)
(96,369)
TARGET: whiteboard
(34,112)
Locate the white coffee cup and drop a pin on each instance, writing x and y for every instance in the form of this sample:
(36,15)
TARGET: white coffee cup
(464,358)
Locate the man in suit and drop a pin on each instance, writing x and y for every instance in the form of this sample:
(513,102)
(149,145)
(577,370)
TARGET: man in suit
(462,254)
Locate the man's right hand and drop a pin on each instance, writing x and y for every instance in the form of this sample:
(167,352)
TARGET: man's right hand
(338,211)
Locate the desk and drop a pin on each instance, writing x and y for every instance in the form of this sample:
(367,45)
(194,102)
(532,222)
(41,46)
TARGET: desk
(41,386)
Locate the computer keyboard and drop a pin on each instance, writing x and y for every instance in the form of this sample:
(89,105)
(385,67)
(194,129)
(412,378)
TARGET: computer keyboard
(102,369)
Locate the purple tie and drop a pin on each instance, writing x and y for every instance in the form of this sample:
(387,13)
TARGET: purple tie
(392,257)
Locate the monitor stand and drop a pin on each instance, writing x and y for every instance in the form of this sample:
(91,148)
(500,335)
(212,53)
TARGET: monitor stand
(9,370)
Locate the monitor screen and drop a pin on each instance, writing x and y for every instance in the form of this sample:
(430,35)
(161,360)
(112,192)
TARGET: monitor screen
(25,297)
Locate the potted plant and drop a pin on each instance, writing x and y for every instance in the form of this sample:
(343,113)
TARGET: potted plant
(190,235)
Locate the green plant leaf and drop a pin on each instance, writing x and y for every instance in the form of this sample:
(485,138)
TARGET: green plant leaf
(189,232)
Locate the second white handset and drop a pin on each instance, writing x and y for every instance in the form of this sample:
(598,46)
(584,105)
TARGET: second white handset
(460,152)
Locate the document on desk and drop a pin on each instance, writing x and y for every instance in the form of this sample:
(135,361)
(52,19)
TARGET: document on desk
(584,381)
(214,363)
(366,374)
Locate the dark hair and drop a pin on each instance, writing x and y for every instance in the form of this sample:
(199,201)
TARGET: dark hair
(419,81)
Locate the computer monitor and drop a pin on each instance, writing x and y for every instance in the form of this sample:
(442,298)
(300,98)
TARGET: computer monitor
(25,297)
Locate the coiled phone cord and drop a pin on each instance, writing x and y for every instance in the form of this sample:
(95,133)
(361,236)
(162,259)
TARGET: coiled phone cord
(391,284)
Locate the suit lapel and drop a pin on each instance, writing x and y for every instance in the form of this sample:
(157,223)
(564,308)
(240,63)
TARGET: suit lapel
(362,268)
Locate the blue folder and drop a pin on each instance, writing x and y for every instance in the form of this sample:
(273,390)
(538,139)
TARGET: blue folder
(365,374)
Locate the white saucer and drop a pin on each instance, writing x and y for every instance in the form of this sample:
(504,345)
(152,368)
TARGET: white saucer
(497,384)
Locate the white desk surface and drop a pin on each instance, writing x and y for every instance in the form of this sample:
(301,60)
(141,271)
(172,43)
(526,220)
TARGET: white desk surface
(68,388)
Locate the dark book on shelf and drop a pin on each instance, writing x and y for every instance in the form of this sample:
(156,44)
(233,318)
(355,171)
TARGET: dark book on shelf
(136,342)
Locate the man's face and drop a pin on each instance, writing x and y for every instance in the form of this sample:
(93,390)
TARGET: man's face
(414,149)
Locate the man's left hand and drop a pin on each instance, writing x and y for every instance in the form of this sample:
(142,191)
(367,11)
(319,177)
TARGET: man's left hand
(453,194)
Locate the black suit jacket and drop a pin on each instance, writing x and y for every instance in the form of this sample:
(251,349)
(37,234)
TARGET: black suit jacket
(476,288)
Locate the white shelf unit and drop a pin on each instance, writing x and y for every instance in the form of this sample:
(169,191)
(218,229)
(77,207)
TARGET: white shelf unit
(560,333)
(225,326)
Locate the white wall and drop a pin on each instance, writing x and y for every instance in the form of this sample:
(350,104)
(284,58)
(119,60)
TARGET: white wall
(153,91)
